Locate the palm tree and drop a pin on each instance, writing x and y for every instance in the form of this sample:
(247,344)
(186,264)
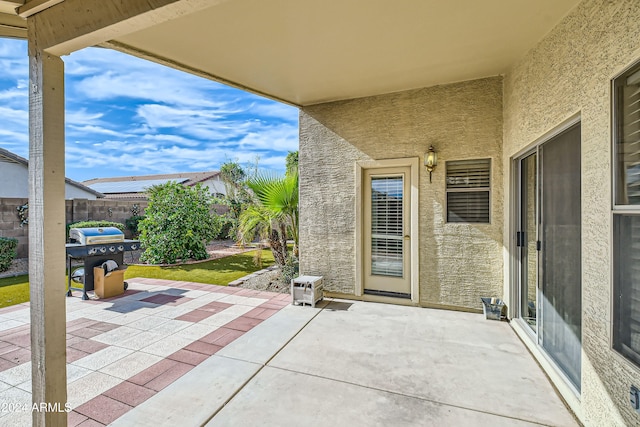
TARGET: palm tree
(275,214)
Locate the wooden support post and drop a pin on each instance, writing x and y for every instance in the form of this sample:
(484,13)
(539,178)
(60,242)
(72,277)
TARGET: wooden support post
(47,235)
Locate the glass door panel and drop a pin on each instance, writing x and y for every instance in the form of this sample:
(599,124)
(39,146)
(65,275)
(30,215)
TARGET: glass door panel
(528,240)
(561,254)
(387,226)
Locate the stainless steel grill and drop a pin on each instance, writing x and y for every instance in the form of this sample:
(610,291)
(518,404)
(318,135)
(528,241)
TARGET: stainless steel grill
(95,235)
(94,246)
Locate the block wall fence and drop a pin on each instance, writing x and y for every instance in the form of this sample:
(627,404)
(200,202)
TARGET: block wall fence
(76,210)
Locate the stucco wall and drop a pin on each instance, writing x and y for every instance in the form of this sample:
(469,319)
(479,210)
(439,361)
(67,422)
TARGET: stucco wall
(570,72)
(73,192)
(458,262)
(15,179)
(215,185)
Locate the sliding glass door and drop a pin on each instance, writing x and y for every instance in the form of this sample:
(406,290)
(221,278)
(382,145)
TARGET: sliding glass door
(549,248)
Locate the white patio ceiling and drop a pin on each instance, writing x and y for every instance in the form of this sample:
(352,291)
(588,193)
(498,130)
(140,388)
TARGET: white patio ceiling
(308,51)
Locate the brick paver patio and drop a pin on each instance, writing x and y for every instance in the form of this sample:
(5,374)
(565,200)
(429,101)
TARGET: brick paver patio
(123,350)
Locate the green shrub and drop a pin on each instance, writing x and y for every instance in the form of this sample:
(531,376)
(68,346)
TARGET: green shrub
(177,224)
(132,224)
(89,224)
(227,227)
(7,252)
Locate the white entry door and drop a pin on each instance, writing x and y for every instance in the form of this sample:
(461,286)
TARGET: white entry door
(386,211)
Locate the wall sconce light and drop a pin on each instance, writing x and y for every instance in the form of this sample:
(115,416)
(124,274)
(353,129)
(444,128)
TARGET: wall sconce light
(430,160)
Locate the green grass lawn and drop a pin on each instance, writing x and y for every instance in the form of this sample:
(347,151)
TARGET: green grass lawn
(216,272)
(15,290)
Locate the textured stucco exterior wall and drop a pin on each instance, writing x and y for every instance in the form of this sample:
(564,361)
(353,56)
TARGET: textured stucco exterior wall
(569,72)
(458,262)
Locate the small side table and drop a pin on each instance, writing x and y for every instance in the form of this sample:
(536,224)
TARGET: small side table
(306,290)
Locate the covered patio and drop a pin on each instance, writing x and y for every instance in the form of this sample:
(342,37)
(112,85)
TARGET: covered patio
(176,353)
(379,87)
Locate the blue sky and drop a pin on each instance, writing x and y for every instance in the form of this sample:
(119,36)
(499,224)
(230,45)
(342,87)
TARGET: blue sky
(128,116)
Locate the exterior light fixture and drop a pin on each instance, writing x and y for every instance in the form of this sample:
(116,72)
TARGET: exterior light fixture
(430,160)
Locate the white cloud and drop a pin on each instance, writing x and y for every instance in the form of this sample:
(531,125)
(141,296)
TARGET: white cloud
(14,94)
(279,138)
(14,62)
(13,138)
(129,116)
(20,117)
(73,130)
(82,116)
(102,74)
(168,116)
(272,162)
(207,124)
(275,110)
(176,139)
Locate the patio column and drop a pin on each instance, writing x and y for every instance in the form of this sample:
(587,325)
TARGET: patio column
(47,233)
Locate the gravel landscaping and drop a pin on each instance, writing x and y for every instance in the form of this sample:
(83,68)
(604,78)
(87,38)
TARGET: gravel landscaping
(270,280)
(18,267)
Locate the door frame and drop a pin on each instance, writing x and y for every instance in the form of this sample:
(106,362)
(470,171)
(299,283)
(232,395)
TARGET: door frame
(414,270)
(516,224)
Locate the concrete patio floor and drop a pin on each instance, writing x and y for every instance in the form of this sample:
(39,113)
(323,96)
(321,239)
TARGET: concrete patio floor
(124,350)
(172,353)
(347,363)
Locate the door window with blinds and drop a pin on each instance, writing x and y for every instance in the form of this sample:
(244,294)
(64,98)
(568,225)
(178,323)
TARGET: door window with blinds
(468,189)
(626,238)
(387,226)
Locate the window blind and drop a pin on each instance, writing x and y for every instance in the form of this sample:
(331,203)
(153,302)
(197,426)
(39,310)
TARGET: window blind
(387,226)
(628,138)
(468,186)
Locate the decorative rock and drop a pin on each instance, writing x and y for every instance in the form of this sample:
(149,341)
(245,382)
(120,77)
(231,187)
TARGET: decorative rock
(236,282)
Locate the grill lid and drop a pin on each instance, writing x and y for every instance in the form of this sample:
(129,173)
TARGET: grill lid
(96,235)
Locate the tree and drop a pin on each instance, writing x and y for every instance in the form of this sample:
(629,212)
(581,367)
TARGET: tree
(177,224)
(292,162)
(275,213)
(233,175)
(238,196)
(254,221)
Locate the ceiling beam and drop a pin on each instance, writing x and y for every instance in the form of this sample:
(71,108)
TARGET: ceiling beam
(12,3)
(75,24)
(31,7)
(12,26)
(10,6)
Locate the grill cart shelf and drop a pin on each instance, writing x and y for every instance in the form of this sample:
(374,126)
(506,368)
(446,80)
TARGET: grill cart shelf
(307,290)
(94,246)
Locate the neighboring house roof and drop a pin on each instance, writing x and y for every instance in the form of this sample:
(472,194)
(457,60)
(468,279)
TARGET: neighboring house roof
(133,187)
(8,156)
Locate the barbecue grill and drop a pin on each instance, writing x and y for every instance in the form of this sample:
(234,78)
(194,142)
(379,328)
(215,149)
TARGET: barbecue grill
(94,246)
